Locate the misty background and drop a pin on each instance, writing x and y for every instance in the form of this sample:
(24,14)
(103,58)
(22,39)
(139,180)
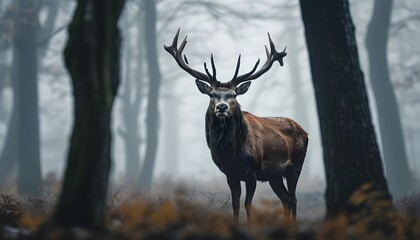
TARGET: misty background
(226,30)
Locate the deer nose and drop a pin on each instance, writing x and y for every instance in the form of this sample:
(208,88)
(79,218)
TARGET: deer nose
(222,107)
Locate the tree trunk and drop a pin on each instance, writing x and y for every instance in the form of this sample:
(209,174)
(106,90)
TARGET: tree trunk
(393,147)
(152,118)
(132,100)
(92,59)
(23,129)
(29,165)
(3,76)
(130,129)
(351,154)
(9,153)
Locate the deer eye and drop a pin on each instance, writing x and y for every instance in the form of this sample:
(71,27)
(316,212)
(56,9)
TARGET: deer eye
(211,95)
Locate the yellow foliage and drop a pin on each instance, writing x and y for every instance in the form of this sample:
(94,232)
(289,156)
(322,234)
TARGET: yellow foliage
(334,228)
(163,216)
(31,222)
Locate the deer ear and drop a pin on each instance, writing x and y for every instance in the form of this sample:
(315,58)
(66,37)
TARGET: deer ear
(204,88)
(243,88)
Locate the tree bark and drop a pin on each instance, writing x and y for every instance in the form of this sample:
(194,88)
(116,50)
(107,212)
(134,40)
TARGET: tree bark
(92,59)
(152,118)
(351,154)
(393,145)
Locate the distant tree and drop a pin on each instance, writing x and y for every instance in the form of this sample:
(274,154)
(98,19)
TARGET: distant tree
(132,95)
(351,154)
(29,39)
(92,59)
(393,144)
(9,153)
(26,104)
(154,76)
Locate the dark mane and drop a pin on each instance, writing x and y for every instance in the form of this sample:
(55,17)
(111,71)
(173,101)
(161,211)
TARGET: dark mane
(222,135)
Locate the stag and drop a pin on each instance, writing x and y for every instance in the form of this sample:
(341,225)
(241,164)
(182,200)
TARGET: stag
(243,146)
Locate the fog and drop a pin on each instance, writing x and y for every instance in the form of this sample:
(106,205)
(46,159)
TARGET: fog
(226,30)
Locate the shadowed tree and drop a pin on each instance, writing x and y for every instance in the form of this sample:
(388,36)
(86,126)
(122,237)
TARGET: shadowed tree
(92,59)
(351,154)
(152,118)
(393,147)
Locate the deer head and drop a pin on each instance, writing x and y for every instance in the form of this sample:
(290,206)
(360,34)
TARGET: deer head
(223,94)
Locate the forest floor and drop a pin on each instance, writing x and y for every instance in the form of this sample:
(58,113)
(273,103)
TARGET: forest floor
(199,214)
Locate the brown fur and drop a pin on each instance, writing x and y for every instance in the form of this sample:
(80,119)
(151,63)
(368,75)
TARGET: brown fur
(271,140)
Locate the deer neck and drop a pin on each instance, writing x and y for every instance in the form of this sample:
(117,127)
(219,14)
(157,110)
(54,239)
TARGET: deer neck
(225,135)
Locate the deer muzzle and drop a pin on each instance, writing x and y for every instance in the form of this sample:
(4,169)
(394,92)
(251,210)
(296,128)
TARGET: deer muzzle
(222,109)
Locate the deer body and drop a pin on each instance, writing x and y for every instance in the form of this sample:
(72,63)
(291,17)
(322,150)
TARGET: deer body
(254,145)
(246,147)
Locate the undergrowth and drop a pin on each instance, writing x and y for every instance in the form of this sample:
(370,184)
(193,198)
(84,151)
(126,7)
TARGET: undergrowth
(180,217)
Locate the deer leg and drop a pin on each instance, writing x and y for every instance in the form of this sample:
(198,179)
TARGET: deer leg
(250,184)
(280,190)
(292,177)
(235,189)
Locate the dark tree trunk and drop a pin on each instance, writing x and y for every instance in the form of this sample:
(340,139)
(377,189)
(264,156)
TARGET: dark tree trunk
(152,118)
(351,155)
(393,147)
(29,165)
(92,59)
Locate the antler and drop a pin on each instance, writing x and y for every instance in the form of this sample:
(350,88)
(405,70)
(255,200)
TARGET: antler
(183,62)
(272,56)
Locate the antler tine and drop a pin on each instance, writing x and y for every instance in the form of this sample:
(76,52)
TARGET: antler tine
(245,76)
(266,51)
(272,56)
(175,41)
(207,70)
(213,68)
(238,64)
(183,62)
(272,47)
